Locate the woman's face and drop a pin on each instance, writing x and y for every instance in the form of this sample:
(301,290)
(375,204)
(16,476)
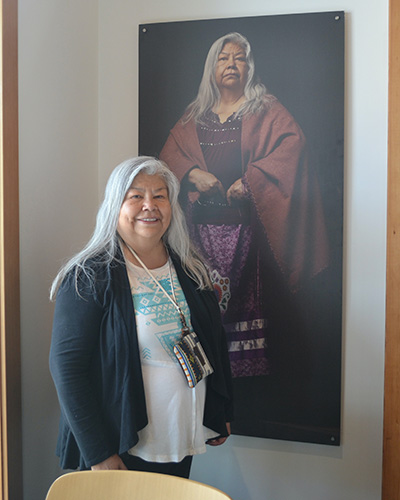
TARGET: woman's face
(231,70)
(145,212)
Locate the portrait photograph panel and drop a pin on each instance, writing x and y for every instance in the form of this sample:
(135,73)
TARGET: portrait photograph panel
(249,115)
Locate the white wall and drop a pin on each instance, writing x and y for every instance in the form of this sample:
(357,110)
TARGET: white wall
(78,119)
(58,193)
(260,469)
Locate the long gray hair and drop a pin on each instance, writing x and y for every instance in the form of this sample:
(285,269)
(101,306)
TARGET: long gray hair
(105,239)
(257,96)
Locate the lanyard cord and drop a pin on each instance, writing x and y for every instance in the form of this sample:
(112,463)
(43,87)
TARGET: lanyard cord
(173,299)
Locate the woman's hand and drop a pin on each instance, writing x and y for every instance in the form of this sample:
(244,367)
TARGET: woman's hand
(205,183)
(220,440)
(236,192)
(111,463)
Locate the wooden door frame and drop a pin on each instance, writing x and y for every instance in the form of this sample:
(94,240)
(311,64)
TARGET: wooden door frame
(10,364)
(391,429)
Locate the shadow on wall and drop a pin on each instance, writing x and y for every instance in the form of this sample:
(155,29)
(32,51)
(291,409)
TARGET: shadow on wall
(227,475)
(243,469)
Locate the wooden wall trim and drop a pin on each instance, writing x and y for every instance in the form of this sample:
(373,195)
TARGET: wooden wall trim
(391,439)
(10,378)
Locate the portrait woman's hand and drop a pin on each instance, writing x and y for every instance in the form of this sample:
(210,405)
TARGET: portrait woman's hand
(237,192)
(206,183)
(111,463)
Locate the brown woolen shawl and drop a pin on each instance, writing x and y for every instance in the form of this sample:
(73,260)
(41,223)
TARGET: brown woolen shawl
(283,187)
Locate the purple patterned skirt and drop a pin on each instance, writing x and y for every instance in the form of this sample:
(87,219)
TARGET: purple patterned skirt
(232,254)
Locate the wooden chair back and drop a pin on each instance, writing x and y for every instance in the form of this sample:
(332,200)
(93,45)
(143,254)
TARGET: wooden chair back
(129,485)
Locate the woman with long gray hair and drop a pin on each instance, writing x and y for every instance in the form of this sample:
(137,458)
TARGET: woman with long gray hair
(122,306)
(252,202)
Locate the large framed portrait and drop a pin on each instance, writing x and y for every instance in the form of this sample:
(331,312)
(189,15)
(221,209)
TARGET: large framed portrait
(249,114)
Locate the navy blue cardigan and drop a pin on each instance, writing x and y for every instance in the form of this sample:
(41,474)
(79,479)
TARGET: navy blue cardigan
(95,364)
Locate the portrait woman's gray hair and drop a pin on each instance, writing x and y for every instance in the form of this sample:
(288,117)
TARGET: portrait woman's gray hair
(105,241)
(257,95)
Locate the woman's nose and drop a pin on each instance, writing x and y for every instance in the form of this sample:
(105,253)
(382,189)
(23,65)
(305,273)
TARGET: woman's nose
(231,62)
(149,204)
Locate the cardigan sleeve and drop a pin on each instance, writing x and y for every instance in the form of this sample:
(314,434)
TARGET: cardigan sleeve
(76,326)
(224,379)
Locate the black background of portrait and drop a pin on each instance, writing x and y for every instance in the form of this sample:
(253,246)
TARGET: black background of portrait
(300,59)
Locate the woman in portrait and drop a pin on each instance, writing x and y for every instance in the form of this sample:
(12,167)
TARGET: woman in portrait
(121,305)
(252,202)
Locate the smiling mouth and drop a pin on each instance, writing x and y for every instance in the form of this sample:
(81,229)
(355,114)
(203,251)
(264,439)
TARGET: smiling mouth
(148,219)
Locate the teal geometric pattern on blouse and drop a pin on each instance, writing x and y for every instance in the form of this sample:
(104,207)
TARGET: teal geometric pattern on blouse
(168,340)
(151,302)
